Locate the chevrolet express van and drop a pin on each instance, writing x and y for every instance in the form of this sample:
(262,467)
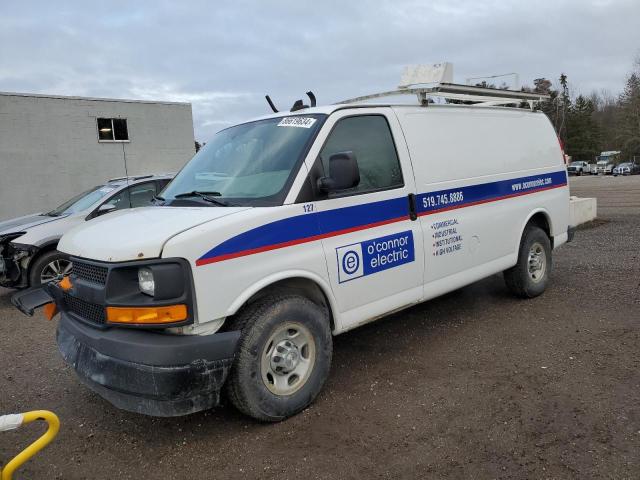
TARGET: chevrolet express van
(289,229)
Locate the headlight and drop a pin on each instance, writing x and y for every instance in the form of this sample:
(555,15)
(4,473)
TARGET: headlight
(146,282)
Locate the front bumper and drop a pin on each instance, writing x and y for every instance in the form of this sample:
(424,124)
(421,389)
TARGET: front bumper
(143,371)
(149,372)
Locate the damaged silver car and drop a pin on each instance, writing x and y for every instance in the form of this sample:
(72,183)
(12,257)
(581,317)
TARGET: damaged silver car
(28,245)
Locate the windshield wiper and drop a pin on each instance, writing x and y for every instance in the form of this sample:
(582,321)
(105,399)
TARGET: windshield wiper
(207,196)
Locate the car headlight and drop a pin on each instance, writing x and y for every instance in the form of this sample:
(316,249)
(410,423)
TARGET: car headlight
(146,282)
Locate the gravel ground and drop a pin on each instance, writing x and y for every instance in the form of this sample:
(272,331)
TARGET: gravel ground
(475,384)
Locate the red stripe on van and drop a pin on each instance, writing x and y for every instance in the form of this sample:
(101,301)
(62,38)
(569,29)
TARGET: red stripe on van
(298,241)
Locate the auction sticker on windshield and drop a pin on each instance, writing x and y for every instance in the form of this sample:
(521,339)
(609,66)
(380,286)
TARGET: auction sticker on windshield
(300,122)
(373,256)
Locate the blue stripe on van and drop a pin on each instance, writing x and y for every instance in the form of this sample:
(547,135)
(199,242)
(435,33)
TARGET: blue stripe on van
(315,226)
(450,199)
(309,227)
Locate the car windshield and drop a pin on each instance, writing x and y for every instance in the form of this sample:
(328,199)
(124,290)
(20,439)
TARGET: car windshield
(83,201)
(625,165)
(575,164)
(249,164)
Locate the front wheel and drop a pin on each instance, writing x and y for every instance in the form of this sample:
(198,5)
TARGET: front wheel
(283,357)
(530,276)
(49,267)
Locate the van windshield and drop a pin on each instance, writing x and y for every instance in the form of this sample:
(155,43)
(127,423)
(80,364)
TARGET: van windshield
(249,164)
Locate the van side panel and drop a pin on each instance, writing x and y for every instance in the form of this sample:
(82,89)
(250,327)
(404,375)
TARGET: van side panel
(480,174)
(234,256)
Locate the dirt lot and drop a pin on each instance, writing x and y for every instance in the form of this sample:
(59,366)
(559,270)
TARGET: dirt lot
(475,384)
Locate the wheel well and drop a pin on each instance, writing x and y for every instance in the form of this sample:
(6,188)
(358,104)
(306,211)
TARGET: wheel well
(44,249)
(540,220)
(301,286)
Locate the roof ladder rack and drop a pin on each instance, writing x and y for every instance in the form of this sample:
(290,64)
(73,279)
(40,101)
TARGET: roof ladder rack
(452,91)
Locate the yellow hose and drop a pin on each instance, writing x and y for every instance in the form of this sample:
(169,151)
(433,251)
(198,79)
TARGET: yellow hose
(54,425)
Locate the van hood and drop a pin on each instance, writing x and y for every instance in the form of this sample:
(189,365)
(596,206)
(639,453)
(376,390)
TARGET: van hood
(136,234)
(22,224)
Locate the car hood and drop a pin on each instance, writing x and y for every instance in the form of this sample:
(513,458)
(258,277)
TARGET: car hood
(138,233)
(22,224)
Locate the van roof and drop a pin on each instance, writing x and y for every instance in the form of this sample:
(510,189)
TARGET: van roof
(482,96)
(329,109)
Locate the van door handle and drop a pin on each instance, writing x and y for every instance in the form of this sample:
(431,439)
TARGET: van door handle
(413,215)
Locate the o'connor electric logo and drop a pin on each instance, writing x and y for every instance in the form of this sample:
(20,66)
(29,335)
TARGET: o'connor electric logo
(365,258)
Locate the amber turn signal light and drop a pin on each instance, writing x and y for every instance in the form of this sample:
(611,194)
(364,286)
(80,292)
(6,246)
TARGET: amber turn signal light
(147,315)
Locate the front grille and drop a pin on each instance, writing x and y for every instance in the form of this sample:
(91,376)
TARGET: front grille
(89,272)
(85,310)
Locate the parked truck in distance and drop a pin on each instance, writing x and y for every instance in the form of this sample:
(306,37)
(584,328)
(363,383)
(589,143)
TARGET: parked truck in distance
(579,168)
(607,161)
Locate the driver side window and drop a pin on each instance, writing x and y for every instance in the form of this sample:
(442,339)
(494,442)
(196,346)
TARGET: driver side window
(370,140)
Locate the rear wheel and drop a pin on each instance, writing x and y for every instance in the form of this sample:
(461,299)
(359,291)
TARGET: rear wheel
(283,357)
(530,276)
(49,267)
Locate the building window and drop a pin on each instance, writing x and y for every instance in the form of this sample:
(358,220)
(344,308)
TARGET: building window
(113,130)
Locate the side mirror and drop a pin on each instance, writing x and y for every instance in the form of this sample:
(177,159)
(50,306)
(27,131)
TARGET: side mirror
(106,208)
(343,173)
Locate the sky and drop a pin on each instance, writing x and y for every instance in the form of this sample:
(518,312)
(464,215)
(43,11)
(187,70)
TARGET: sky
(223,57)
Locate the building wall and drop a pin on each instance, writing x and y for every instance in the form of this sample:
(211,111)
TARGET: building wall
(49,149)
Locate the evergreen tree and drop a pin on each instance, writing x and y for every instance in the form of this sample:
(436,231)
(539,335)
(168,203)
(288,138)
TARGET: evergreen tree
(582,132)
(563,106)
(606,117)
(549,107)
(629,118)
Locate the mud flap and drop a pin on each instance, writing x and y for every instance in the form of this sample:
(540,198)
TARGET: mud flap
(28,300)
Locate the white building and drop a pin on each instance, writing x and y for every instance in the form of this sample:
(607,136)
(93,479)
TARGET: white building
(54,147)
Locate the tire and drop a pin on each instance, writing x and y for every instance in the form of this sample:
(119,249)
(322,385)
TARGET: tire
(253,385)
(39,266)
(525,280)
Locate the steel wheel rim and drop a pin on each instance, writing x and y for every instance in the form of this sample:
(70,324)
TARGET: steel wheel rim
(55,270)
(288,359)
(537,263)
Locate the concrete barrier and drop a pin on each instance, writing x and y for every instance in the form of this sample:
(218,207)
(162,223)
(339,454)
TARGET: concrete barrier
(582,210)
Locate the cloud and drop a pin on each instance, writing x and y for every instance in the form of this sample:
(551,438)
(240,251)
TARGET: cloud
(223,57)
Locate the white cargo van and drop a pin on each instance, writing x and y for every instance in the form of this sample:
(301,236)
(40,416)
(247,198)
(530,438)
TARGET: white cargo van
(291,228)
